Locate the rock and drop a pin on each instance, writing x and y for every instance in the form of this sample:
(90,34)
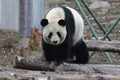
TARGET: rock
(99,4)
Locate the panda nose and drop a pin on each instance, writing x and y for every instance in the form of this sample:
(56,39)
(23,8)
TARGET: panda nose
(55,42)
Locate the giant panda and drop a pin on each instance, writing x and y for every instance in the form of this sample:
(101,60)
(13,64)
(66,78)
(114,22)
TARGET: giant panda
(62,36)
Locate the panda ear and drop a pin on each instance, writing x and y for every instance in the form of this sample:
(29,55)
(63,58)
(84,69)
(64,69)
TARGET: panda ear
(62,22)
(44,22)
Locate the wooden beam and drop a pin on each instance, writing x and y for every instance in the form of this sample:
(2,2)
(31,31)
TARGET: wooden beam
(108,46)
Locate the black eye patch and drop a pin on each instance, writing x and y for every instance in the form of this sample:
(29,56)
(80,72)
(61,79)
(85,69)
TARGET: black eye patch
(50,35)
(59,35)
(62,22)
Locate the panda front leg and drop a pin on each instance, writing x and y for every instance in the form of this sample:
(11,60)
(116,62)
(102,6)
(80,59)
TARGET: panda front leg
(81,52)
(62,55)
(57,54)
(48,52)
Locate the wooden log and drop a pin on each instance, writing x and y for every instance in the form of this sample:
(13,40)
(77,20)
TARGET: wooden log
(17,74)
(109,69)
(21,63)
(64,72)
(108,46)
(87,68)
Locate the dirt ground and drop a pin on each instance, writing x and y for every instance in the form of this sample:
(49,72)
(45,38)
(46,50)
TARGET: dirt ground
(9,49)
(8,46)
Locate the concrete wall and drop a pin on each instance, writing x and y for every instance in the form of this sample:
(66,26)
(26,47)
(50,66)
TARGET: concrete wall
(9,14)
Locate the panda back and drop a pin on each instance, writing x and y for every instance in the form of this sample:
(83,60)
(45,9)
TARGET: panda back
(79,26)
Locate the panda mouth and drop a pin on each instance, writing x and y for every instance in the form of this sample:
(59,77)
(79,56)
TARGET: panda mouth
(55,42)
(48,41)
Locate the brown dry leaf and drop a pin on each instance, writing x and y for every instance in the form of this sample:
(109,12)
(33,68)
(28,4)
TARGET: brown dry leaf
(21,52)
(34,43)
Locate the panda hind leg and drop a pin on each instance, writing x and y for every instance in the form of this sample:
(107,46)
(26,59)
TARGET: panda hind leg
(81,53)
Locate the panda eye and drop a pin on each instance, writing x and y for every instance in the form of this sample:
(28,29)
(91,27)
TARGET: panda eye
(59,35)
(50,35)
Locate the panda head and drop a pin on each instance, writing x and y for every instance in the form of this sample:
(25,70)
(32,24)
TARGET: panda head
(54,32)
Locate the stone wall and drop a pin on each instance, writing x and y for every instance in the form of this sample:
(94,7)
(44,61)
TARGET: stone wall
(106,11)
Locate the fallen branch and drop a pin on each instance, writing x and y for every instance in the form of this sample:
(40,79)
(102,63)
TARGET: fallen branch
(108,46)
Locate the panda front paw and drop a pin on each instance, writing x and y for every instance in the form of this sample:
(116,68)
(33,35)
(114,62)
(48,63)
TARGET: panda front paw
(81,62)
(57,63)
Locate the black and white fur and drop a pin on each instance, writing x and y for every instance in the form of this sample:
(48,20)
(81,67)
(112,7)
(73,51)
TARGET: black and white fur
(62,36)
